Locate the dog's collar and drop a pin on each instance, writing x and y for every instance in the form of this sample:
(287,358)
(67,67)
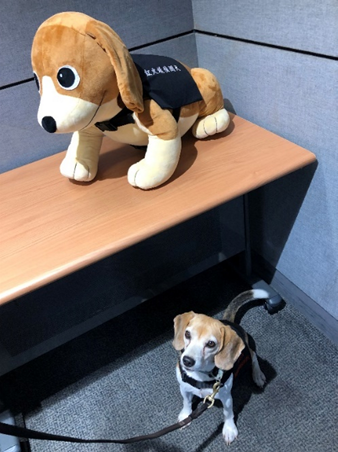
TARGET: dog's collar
(219,376)
(121,119)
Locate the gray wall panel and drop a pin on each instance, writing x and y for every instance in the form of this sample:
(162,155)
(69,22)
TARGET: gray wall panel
(295,96)
(182,48)
(22,139)
(137,24)
(308,25)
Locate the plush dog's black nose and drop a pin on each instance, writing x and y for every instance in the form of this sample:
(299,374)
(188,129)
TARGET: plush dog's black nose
(49,124)
(188,362)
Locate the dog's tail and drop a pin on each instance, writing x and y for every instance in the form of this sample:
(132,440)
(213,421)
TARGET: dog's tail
(241,299)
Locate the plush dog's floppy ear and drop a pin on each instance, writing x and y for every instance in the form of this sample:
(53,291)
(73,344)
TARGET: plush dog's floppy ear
(230,349)
(180,324)
(128,79)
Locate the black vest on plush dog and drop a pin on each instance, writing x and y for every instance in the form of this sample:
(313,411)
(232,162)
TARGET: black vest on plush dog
(164,80)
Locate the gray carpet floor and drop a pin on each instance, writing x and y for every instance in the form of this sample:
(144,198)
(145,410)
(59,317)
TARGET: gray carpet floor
(119,381)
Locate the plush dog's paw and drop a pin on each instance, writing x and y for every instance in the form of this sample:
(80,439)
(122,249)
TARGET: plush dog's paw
(229,431)
(145,176)
(212,124)
(77,171)
(258,377)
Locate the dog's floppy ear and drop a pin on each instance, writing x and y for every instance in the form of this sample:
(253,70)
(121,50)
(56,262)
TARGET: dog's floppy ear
(230,349)
(128,79)
(180,324)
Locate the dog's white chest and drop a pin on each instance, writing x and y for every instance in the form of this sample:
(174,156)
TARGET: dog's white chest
(202,393)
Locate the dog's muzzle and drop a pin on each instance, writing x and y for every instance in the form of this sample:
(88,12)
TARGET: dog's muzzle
(49,124)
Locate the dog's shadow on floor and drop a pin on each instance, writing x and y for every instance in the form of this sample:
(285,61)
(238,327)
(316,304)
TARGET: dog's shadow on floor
(243,389)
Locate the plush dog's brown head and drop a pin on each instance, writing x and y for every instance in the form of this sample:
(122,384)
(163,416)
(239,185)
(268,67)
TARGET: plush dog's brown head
(82,68)
(206,342)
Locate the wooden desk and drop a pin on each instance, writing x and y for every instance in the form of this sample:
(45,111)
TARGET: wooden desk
(51,227)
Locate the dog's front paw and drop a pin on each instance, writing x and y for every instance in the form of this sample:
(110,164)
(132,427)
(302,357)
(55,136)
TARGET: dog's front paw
(145,176)
(77,171)
(258,377)
(183,415)
(229,431)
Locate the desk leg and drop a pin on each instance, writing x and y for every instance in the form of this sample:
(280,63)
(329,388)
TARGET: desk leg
(274,303)
(8,443)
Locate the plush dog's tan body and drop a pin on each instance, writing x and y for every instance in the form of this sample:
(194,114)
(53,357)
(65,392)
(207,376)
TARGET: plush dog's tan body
(105,80)
(209,348)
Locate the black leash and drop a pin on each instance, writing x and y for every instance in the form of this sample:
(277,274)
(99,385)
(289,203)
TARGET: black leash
(21,432)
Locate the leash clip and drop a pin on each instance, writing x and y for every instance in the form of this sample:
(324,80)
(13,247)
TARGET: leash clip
(211,398)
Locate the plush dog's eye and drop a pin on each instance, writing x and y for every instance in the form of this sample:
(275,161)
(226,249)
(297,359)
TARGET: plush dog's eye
(36,79)
(211,344)
(187,335)
(68,77)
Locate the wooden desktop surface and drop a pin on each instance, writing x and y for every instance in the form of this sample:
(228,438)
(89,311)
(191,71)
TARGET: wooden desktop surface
(51,227)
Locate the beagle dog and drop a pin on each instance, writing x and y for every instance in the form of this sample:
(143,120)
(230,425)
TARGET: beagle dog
(214,351)
(91,86)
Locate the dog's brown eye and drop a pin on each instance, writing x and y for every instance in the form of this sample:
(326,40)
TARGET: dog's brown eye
(68,77)
(211,344)
(187,335)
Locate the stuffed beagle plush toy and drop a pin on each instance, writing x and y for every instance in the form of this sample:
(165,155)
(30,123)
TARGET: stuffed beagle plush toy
(90,86)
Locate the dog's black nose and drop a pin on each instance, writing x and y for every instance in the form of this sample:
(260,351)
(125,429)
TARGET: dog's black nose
(49,124)
(188,362)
